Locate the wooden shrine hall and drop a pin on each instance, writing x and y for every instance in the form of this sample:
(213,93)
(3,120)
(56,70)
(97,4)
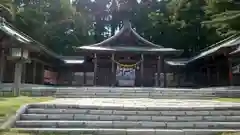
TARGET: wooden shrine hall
(127,59)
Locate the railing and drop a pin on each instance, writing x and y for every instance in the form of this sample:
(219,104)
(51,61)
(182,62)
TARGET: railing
(6,90)
(42,90)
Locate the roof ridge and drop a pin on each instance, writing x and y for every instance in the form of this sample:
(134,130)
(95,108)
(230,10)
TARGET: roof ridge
(43,47)
(237,35)
(126,26)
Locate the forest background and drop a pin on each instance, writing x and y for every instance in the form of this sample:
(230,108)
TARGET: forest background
(62,25)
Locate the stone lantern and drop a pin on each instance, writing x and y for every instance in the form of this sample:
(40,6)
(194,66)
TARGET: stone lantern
(19,53)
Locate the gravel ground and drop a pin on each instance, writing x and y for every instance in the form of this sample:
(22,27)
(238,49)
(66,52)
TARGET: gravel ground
(142,102)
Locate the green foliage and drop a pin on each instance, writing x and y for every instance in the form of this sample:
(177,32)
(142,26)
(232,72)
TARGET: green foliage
(184,24)
(7,9)
(224,16)
(55,23)
(8,106)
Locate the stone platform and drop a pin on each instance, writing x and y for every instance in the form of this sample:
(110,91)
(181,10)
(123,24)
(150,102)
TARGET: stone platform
(130,111)
(128,116)
(141,102)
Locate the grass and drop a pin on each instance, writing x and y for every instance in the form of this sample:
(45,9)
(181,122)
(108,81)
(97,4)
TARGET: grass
(8,106)
(230,133)
(229,99)
(19,133)
(13,133)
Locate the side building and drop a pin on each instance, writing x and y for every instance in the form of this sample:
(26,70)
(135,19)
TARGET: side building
(216,65)
(23,60)
(125,59)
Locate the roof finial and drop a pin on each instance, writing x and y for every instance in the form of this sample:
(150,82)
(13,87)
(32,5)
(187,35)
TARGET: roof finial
(126,23)
(123,7)
(114,5)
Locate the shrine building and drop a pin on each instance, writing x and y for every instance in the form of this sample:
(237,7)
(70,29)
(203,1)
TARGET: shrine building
(127,59)
(123,60)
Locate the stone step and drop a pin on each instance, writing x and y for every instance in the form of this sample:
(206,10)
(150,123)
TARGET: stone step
(129,131)
(135,94)
(135,112)
(127,124)
(129,118)
(183,96)
(133,91)
(153,97)
(162,107)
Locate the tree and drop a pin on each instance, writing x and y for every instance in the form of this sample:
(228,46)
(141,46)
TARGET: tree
(225,16)
(99,13)
(183,24)
(8,9)
(55,23)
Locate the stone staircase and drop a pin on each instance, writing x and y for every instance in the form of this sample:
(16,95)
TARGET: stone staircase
(129,120)
(130,111)
(157,93)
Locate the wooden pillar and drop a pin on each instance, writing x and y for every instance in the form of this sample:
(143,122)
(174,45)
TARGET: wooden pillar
(2,65)
(72,77)
(42,70)
(230,72)
(158,70)
(164,73)
(69,75)
(208,76)
(17,78)
(142,70)
(179,80)
(113,71)
(95,70)
(218,76)
(34,71)
(24,72)
(84,78)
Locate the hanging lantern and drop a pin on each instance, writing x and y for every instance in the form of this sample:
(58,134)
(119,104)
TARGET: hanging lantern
(17,53)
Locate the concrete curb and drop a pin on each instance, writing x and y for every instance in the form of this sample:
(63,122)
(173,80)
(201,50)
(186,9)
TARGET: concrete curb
(129,131)
(144,108)
(11,121)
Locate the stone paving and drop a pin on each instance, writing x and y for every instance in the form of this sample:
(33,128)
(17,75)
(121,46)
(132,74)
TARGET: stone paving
(125,116)
(142,102)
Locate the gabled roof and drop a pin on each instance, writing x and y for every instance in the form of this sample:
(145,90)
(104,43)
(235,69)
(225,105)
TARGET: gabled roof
(29,42)
(35,45)
(237,51)
(127,40)
(232,41)
(73,59)
(177,62)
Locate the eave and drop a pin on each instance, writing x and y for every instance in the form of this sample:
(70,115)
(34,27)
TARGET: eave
(147,46)
(231,42)
(24,39)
